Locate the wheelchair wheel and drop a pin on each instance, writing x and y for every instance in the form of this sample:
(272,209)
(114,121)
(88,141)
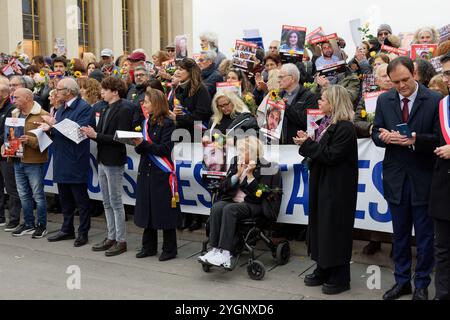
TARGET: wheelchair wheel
(256,270)
(206,268)
(283,253)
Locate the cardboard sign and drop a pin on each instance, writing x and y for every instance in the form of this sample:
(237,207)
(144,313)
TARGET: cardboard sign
(245,55)
(423,51)
(314,34)
(397,51)
(370,100)
(233,86)
(327,38)
(293,40)
(313,116)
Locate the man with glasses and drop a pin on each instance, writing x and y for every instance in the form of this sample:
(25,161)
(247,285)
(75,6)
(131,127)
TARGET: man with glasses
(297,99)
(439,199)
(71,162)
(172,51)
(210,75)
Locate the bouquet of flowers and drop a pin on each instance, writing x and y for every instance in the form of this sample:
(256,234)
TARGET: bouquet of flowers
(250,102)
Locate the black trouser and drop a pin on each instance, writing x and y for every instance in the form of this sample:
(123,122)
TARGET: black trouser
(74,196)
(150,241)
(8,180)
(442,254)
(223,221)
(336,275)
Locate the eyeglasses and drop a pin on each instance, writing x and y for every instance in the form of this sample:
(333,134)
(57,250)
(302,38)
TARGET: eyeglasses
(201,60)
(170,50)
(446,74)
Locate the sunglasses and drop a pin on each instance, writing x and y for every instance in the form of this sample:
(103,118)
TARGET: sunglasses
(170,50)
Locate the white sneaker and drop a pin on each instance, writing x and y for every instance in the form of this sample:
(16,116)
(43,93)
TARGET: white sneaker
(220,260)
(208,255)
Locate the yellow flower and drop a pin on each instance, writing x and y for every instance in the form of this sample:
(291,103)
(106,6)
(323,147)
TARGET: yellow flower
(138,129)
(216,136)
(373,54)
(259,193)
(78,74)
(42,74)
(116,72)
(176,102)
(292,52)
(363,114)
(273,94)
(431,50)
(72,61)
(248,98)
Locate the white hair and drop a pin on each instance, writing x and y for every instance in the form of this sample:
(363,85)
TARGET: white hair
(291,70)
(211,37)
(72,86)
(209,55)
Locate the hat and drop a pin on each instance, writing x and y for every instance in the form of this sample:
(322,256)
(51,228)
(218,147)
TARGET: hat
(97,75)
(137,56)
(107,53)
(170,46)
(384,27)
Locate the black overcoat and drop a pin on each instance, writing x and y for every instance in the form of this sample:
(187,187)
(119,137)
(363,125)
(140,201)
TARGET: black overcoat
(154,196)
(333,187)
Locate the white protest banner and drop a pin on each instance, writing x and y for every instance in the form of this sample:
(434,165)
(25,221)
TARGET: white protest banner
(372,210)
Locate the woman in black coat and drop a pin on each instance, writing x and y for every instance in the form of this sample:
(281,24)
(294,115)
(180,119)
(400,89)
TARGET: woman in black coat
(333,161)
(157,197)
(191,105)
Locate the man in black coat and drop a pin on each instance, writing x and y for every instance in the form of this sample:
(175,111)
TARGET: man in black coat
(407,172)
(439,198)
(298,100)
(112,157)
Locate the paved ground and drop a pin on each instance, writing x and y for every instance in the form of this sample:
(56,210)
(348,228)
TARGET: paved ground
(36,269)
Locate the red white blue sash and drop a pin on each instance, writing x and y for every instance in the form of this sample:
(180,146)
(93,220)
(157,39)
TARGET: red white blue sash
(165,165)
(444,115)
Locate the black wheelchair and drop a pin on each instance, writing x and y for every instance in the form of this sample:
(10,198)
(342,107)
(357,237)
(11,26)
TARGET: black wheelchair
(249,233)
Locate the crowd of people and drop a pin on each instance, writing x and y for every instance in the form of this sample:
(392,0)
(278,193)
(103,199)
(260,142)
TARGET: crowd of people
(159,94)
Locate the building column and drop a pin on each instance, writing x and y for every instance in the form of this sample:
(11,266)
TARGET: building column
(65,25)
(11,25)
(180,21)
(148,34)
(111,26)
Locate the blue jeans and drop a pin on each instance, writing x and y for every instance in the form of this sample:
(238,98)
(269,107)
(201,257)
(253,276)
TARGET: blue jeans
(30,185)
(111,184)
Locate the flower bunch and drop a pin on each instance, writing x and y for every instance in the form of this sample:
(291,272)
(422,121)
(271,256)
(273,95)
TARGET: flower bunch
(262,189)
(250,102)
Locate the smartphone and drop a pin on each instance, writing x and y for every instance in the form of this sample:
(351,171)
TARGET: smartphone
(404,130)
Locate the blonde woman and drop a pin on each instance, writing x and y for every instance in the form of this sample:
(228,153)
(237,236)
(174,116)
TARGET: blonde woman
(333,160)
(426,35)
(239,199)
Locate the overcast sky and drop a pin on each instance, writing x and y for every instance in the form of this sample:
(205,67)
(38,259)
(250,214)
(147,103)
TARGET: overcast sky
(228,18)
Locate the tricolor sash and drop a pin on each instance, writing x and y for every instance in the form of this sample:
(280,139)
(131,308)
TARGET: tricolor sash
(444,115)
(165,165)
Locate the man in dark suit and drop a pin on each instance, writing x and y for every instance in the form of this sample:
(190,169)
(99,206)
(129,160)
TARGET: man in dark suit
(407,173)
(112,157)
(71,163)
(440,196)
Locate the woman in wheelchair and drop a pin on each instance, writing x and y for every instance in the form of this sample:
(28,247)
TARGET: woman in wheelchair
(250,180)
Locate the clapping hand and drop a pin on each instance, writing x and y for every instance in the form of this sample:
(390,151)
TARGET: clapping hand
(89,132)
(51,121)
(301,138)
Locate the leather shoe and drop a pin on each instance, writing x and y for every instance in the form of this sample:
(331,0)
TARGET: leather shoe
(117,249)
(420,294)
(167,256)
(371,248)
(332,289)
(196,225)
(82,240)
(61,236)
(144,254)
(104,245)
(398,291)
(313,280)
